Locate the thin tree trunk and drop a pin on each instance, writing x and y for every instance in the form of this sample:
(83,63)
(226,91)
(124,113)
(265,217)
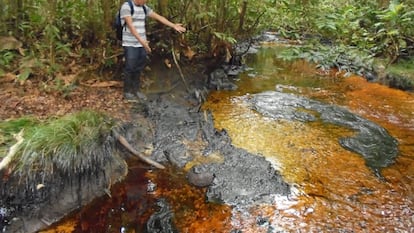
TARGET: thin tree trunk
(200,22)
(107,14)
(208,5)
(20,14)
(50,37)
(221,13)
(3,18)
(16,12)
(242,15)
(162,7)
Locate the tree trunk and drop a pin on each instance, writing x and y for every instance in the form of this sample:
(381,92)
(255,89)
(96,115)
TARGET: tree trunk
(107,14)
(221,13)
(50,35)
(242,15)
(162,7)
(3,18)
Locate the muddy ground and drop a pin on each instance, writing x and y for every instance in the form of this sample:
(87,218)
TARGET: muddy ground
(169,127)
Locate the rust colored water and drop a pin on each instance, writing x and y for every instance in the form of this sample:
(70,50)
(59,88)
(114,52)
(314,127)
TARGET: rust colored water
(336,191)
(131,205)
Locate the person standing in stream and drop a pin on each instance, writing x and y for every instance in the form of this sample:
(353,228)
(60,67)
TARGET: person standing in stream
(135,44)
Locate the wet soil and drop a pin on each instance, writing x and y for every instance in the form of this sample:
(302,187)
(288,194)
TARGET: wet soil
(172,131)
(31,211)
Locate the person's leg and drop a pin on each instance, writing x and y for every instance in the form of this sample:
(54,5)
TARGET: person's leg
(128,72)
(135,61)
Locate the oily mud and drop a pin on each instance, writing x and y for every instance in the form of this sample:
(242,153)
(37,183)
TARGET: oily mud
(30,209)
(371,141)
(170,129)
(240,178)
(35,204)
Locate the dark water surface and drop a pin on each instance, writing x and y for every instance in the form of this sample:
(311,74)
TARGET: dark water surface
(334,189)
(337,192)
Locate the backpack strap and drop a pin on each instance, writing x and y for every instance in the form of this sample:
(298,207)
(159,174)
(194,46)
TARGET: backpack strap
(145,10)
(131,6)
(132,12)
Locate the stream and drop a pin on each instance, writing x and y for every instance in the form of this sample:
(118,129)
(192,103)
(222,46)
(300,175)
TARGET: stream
(338,190)
(344,145)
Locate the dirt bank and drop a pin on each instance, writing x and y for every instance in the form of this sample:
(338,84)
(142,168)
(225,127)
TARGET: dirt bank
(169,128)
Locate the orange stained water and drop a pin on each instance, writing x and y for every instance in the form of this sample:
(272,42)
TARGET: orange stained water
(336,192)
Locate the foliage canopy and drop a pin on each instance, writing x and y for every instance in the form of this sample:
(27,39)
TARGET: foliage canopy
(53,36)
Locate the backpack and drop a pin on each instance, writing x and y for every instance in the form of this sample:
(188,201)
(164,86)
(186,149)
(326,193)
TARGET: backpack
(118,26)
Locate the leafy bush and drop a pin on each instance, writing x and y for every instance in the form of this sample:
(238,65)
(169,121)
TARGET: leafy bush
(57,33)
(394,30)
(344,58)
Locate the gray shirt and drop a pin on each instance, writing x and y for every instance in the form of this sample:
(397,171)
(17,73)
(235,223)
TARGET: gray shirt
(138,20)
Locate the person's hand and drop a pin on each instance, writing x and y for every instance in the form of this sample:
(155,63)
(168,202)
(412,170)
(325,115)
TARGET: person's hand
(179,28)
(147,47)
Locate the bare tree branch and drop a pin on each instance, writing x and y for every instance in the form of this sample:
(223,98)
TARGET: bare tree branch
(125,143)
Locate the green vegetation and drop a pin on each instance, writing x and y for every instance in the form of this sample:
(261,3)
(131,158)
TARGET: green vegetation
(348,35)
(401,75)
(55,36)
(404,67)
(72,145)
(10,128)
(52,37)
(47,38)
(348,59)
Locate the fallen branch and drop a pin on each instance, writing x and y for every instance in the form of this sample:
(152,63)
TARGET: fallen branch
(95,83)
(125,143)
(178,67)
(12,152)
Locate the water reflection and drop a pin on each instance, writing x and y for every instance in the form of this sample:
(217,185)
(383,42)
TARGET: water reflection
(334,191)
(339,193)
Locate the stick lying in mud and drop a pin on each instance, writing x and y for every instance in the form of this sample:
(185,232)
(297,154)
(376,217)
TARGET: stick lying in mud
(178,67)
(125,143)
(13,149)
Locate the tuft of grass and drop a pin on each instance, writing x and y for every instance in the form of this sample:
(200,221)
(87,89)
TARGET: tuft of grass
(72,145)
(9,128)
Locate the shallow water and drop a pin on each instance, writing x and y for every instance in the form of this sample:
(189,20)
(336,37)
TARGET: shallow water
(334,190)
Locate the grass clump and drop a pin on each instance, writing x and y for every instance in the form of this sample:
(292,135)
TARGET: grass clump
(71,145)
(11,127)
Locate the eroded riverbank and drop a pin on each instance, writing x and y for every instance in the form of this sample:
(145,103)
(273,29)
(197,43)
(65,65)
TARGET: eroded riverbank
(259,174)
(339,191)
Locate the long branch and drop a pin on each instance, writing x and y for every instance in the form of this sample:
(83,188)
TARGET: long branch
(125,143)
(178,67)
